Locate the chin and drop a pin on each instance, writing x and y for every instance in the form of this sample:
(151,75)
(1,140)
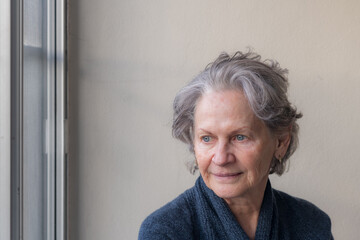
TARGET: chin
(228,192)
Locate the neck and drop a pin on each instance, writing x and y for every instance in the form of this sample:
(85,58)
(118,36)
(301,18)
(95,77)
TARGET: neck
(247,209)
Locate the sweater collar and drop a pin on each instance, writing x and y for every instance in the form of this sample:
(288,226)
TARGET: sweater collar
(266,227)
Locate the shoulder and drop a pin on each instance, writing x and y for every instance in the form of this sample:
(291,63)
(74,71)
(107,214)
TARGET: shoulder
(172,221)
(301,208)
(302,217)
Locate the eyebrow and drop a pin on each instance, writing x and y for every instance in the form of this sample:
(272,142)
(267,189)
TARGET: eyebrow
(231,133)
(203,130)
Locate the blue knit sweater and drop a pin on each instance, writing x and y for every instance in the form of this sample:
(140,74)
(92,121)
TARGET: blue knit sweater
(199,214)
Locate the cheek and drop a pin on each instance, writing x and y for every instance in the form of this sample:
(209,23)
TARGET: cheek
(203,159)
(257,162)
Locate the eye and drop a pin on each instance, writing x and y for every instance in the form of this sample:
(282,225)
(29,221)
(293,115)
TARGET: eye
(206,138)
(240,137)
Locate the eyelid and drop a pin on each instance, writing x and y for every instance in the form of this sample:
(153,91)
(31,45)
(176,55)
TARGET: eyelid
(204,136)
(243,136)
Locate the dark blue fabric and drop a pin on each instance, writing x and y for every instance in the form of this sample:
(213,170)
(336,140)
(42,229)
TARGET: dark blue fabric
(199,214)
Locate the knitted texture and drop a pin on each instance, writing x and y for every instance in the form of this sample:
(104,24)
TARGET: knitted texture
(199,214)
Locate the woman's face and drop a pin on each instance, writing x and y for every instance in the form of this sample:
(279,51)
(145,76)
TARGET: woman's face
(233,147)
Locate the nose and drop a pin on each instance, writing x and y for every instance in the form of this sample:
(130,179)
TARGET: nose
(223,154)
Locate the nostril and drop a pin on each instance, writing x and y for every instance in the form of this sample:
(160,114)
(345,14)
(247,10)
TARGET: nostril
(223,158)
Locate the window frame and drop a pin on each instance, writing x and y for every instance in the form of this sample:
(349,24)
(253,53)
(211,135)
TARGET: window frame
(5,119)
(54,27)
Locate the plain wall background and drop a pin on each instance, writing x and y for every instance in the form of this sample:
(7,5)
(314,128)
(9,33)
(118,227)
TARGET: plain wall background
(127,60)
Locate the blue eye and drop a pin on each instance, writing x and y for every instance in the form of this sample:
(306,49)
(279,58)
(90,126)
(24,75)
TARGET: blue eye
(240,137)
(206,139)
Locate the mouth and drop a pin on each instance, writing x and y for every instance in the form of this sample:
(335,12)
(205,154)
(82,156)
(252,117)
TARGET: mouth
(227,175)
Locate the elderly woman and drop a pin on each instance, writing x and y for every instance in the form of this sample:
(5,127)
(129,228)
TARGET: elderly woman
(237,120)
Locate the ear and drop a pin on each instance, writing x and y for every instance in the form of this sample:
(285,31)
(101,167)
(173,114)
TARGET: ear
(282,144)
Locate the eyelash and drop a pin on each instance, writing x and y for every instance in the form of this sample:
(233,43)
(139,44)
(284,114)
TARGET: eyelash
(239,135)
(204,137)
(207,139)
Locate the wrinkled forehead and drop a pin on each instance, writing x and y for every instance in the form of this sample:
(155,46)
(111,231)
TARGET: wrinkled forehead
(220,92)
(222,106)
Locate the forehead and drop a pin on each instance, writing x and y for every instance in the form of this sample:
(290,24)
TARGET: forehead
(224,109)
(224,98)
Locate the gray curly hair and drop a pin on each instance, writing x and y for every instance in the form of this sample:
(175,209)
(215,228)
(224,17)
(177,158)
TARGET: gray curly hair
(263,83)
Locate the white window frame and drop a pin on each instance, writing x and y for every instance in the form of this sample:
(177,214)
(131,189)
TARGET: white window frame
(5,119)
(12,117)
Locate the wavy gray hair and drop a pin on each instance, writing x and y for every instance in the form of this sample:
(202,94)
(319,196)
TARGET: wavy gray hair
(263,83)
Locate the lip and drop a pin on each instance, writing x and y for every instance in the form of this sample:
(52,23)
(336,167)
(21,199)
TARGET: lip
(227,178)
(226,175)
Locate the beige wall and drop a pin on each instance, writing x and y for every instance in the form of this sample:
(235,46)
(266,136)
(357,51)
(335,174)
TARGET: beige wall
(127,59)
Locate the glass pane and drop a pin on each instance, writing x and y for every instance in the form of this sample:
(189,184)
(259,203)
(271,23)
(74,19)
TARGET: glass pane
(34,115)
